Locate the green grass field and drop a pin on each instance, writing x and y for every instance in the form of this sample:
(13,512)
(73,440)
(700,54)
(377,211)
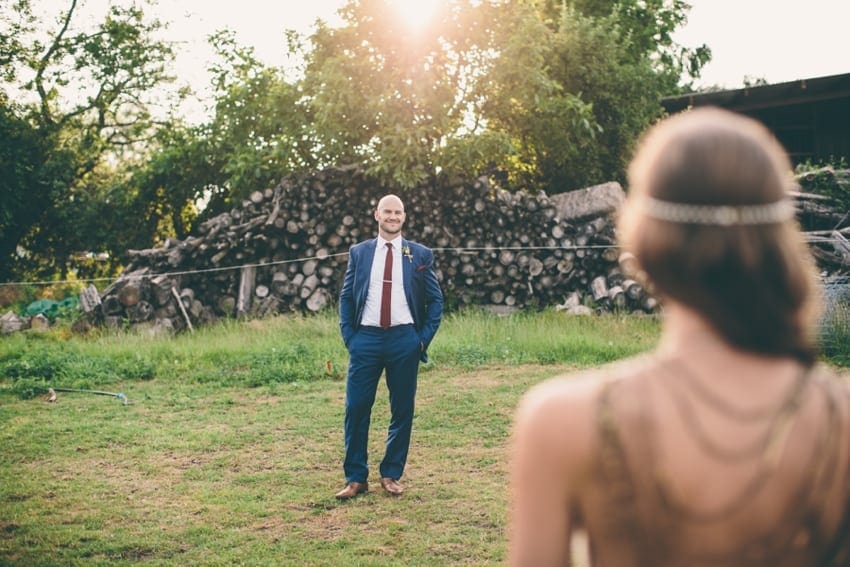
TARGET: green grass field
(229,451)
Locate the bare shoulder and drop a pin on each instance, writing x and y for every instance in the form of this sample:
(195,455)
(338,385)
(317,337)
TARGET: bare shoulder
(560,412)
(561,395)
(577,390)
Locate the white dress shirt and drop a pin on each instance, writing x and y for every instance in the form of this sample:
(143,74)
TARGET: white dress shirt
(399,310)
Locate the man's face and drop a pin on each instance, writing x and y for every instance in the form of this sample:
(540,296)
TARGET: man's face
(390,217)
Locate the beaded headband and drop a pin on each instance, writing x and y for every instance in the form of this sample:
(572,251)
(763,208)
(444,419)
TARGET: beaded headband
(721,215)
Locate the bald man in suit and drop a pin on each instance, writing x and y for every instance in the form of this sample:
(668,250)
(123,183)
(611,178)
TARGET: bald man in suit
(390,308)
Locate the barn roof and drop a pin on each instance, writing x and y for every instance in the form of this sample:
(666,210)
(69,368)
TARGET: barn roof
(765,96)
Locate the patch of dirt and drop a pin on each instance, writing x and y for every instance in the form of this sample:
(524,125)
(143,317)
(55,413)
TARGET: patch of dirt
(332,523)
(486,378)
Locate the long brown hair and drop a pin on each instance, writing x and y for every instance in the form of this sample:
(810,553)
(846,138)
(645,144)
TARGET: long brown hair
(754,283)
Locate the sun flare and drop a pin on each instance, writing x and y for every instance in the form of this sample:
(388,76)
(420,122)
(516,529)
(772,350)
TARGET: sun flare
(415,14)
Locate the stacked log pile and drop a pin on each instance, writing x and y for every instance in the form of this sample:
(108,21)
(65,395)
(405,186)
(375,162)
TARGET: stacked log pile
(823,209)
(285,250)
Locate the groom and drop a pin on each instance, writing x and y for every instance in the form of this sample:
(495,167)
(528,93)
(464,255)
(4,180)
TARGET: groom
(389,308)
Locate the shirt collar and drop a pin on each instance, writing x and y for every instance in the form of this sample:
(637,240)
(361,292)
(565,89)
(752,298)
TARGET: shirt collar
(382,243)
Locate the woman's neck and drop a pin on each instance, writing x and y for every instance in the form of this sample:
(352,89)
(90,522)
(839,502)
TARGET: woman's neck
(685,330)
(687,335)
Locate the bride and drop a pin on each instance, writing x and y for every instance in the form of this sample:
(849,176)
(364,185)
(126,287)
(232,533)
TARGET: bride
(728,444)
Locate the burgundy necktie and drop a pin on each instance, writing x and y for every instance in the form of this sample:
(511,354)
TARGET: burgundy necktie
(387,293)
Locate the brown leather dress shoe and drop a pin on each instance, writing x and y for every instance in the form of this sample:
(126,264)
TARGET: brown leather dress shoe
(392,486)
(352,489)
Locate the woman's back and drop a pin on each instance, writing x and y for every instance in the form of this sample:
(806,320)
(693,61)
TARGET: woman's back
(686,474)
(722,447)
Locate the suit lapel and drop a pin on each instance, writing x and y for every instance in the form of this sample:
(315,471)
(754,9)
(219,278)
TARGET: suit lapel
(365,270)
(407,263)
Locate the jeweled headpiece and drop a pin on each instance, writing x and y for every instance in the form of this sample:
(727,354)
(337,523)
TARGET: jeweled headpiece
(720,215)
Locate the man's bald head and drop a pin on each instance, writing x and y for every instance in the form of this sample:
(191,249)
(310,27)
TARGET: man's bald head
(390,216)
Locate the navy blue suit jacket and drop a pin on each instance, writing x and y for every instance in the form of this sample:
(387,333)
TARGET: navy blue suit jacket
(421,289)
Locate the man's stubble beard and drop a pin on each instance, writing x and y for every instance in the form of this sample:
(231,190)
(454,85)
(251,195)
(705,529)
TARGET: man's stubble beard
(391,229)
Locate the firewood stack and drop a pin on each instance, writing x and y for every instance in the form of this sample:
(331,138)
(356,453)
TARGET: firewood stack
(285,249)
(823,209)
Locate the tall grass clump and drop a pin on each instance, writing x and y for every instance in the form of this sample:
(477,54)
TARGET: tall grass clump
(37,361)
(473,338)
(834,330)
(259,352)
(231,353)
(290,349)
(835,334)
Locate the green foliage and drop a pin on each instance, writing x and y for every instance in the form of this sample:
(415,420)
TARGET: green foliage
(646,27)
(602,68)
(260,129)
(549,127)
(389,96)
(45,360)
(550,96)
(24,183)
(542,94)
(158,198)
(28,388)
(83,92)
(281,364)
(35,364)
(473,338)
(591,57)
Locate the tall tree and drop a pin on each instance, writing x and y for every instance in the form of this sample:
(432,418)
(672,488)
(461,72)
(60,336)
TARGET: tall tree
(549,93)
(548,125)
(261,127)
(32,172)
(392,95)
(84,93)
(259,130)
(574,84)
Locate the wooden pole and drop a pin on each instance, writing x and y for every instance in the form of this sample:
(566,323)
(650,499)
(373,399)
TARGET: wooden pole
(182,308)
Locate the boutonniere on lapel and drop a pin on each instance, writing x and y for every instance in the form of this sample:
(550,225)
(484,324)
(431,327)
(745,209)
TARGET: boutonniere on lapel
(406,251)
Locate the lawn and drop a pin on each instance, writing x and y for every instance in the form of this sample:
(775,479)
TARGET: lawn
(229,448)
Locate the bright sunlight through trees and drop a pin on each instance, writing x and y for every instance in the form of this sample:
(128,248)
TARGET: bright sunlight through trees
(415,14)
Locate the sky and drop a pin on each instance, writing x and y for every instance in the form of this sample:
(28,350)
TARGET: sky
(774,40)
